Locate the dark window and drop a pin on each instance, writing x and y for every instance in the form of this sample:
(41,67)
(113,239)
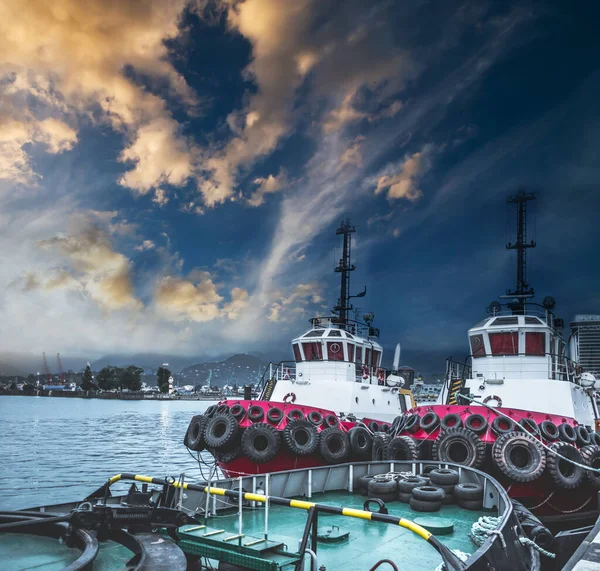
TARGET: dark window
(335,333)
(315,333)
(297,356)
(506,321)
(335,351)
(376,358)
(313,351)
(477,346)
(351,352)
(358,354)
(532,321)
(368,357)
(535,344)
(349,335)
(504,343)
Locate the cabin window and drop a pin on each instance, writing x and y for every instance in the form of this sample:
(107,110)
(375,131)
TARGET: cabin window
(315,333)
(297,356)
(505,321)
(535,344)
(477,346)
(368,357)
(351,352)
(376,358)
(335,351)
(504,343)
(334,333)
(358,354)
(313,351)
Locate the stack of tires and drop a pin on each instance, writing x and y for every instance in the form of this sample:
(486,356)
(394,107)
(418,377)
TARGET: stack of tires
(383,487)
(445,478)
(407,485)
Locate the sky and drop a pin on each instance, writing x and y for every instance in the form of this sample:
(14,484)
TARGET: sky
(172,173)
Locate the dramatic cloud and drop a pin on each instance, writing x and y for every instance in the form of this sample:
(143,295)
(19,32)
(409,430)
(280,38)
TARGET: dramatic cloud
(404,184)
(268,185)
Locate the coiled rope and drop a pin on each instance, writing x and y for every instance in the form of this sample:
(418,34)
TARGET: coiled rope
(460,554)
(483,528)
(500,413)
(531,543)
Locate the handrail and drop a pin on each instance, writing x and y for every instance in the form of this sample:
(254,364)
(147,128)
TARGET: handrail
(451,561)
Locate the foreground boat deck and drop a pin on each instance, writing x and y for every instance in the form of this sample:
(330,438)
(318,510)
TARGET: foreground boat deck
(368,541)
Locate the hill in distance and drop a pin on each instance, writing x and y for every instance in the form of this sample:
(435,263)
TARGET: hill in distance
(240,369)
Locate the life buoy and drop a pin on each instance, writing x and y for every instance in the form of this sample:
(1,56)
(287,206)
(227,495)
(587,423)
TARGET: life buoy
(380,376)
(493,397)
(290,396)
(286,374)
(365,372)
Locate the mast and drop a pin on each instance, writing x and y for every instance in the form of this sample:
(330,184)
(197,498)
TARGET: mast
(345,267)
(523,290)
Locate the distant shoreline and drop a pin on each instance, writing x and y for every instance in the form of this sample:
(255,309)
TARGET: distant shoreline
(116,396)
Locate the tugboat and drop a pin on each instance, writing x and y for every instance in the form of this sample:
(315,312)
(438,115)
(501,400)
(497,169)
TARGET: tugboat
(518,408)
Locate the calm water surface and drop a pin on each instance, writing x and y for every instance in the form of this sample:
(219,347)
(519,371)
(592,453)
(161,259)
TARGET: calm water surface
(60,449)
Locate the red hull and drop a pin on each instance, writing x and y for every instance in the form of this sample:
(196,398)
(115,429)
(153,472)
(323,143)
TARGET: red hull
(542,496)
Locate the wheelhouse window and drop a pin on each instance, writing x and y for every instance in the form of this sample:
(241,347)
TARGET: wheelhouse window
(313,351)
(504,343)
(535,344)
(351,352)
(297,355)
(335,351)
(334,333)
(358,354)
(376,358)
(368,357)
(477,346)
(315,333)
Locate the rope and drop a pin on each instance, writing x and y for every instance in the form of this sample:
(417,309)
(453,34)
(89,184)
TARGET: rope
(460,554)
(542,503)
(572,511)
(483,528)
(531,543)
(499,413)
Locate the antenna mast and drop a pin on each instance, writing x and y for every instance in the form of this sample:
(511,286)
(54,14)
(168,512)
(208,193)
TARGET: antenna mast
(523,290)
(345,267)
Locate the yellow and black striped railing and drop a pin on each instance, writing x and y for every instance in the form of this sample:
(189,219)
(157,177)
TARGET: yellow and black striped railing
(451,561)
(455,387)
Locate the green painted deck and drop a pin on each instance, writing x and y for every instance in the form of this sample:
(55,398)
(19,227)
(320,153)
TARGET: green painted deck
(21,552)
(368,541)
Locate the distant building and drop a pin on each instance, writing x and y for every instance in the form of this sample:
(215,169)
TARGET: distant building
(408,373)
(586,346)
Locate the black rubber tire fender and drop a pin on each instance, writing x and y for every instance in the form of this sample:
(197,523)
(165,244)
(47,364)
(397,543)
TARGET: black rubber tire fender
(428,469)
(503,425)
(261,442)
(334,446)
(210,411)
(331,421)
(195,433)
(406,485)
(398,424)
(226,456)
(412,424)
(377,489)
(362,482)
(451,420)
(220,431)
(549,430)
(222,408)
(468,492)
(474,505)
(361,442)
(429,421)
(591,457)
(255,413)
(519,456)
(428,493)
(421,506)
(295,414)
(237,411)
(404,497)
(383,427)
(595,438)
(530,426)
(315,417)
(459,446)
(477,423)
(444,477)
(275,415)
(402,448)
(373,426)
(583,436)
(564,474)
(379,450)
(567,433)
(301,437)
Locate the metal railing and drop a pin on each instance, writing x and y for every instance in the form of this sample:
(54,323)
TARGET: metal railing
(529,309)
(287,371)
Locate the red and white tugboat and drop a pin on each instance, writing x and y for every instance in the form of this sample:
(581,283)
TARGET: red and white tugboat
(518,407)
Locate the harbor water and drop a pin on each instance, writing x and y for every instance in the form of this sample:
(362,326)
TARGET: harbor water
(58,449)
